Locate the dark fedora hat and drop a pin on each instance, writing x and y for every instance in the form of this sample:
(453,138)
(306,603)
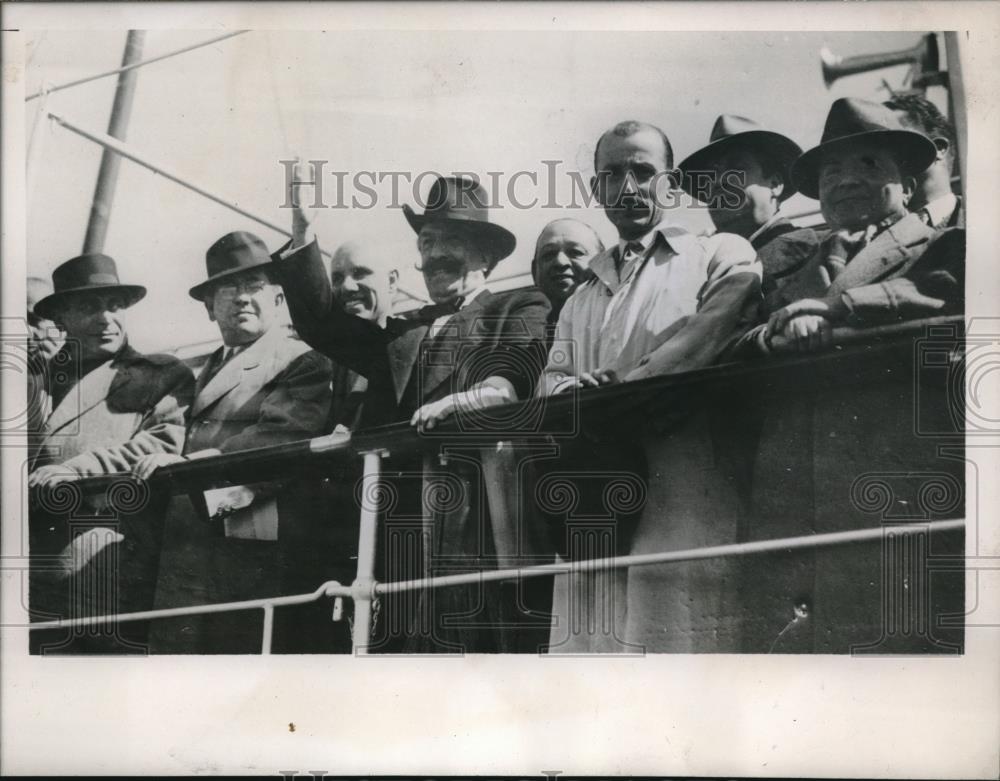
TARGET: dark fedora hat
(733,132)
(460,200)
(234,253)
(851,120)
(86,273)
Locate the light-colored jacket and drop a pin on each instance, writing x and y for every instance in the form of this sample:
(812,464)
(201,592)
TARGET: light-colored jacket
(128,407)
(674,311)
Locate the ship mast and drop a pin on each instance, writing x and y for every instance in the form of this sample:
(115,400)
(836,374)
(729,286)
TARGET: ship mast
(107,177)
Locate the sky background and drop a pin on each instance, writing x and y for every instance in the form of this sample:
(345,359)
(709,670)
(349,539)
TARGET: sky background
(223,116)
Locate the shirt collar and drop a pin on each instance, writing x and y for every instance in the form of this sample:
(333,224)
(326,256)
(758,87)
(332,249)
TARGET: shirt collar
(469,296)
(940,209)
(669,233)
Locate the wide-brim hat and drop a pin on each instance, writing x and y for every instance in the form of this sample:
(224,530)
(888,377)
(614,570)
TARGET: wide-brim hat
(233,254)
(87,273)
(462,201)
(731,131)
(851,120)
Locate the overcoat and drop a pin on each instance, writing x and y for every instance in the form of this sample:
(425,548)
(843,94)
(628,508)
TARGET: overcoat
(496,334)
(104,421)
(275,391)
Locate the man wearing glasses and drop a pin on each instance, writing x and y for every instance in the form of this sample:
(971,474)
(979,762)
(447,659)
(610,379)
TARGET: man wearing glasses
(262,387)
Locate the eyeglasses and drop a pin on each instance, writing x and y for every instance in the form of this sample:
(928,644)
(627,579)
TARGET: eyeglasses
(233,289)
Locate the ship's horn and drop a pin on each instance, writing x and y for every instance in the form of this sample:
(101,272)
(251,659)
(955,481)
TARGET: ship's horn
(924,55)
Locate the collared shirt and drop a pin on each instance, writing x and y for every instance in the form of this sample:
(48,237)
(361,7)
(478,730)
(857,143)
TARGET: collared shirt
(440,322)
(618,317)
(938,212)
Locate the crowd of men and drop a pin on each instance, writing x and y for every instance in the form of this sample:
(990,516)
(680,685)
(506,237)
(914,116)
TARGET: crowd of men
(661,300)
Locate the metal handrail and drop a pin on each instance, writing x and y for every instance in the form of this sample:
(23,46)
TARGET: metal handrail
(374,444)
(854,346)
(364,592)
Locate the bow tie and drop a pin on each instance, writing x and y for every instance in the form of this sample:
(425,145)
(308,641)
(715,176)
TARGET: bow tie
(432,312)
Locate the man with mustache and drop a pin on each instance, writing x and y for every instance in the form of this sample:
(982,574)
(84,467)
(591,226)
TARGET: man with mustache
(470,350)
(104,407)
(660,301)
(562,253)
(880,263)
(263,387)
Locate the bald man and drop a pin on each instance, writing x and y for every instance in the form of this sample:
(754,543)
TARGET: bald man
(562,254)
(363,287)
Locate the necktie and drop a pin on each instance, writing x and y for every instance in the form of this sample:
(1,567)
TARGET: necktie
(633,250)
(841,247)
(925,215)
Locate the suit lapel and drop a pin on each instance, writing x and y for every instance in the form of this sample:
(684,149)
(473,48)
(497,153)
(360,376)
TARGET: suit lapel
(403,352)
(253,368)
(886,253)
(96,386)
(459,331)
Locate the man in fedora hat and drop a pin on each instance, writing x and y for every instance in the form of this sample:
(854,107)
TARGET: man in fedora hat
(106,406)
(264,386)
(743,175)
(110,404)
(470,350)
(880,263)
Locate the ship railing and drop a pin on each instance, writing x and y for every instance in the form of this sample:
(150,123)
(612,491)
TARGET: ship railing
(862,352)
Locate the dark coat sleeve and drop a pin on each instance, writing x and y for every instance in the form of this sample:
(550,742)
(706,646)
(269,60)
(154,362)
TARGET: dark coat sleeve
(934,285)
(520,353)
(351,341)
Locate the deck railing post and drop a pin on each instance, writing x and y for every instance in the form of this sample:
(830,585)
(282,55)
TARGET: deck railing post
(265,643)
(363,586)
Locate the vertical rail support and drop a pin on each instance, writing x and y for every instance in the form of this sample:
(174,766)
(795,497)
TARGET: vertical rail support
(364,583)
(268,635)
(107,176)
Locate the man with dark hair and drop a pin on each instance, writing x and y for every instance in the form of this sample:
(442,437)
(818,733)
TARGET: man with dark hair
(630,127)
(933,198)
(640,315)
(660,301)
